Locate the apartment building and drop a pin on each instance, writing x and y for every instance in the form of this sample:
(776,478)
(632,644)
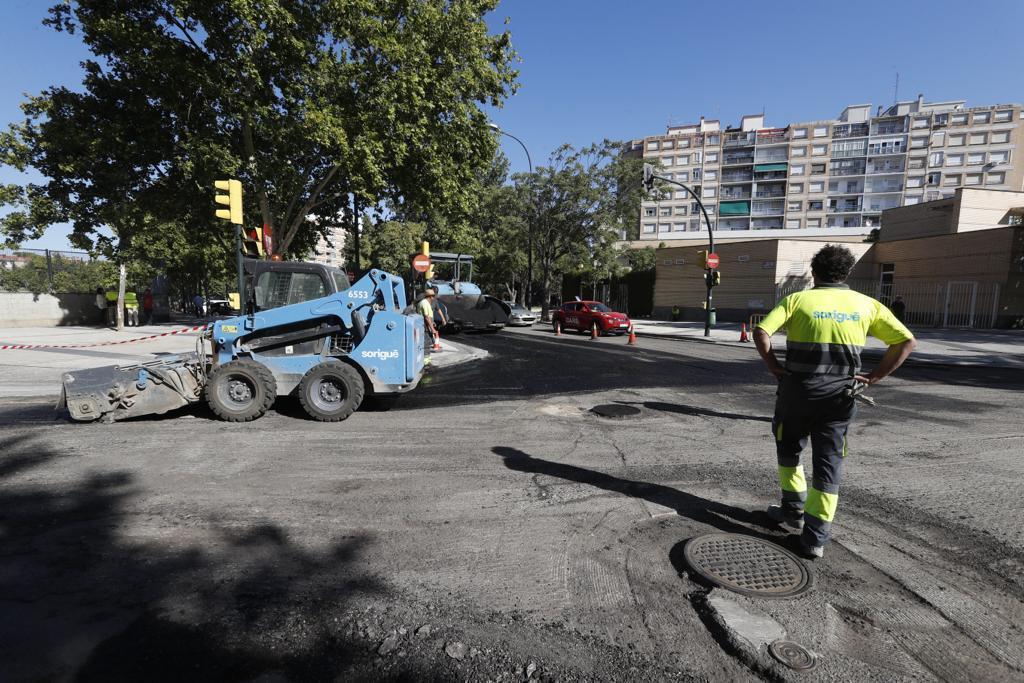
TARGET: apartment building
(833,176)
(330,250)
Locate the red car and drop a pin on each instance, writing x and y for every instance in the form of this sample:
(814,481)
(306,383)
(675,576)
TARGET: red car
(590,315)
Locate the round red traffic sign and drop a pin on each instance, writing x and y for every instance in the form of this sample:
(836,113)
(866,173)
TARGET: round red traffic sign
(421,263)
(712,260)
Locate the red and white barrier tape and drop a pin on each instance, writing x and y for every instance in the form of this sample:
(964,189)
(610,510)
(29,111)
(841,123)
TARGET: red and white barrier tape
(184,330)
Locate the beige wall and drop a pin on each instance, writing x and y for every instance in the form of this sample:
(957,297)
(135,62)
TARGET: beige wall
(983,256)
(969,210)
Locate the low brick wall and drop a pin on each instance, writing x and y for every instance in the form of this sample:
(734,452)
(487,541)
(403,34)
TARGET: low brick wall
(25,309)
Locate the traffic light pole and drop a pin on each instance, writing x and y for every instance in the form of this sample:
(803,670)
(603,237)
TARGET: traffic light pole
(711,249)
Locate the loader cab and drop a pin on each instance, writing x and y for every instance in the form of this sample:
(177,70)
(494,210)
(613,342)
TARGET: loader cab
(272,284)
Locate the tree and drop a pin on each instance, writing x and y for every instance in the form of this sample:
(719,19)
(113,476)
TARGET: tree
(313,104)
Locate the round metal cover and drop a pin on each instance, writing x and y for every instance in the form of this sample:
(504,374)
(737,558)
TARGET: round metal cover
(615,410)
(792,655)
(747,565)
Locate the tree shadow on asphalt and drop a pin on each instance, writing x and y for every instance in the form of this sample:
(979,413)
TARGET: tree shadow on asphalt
(91,594)
(695,411)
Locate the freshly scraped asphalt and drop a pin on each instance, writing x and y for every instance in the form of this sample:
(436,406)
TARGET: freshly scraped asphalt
(531,537)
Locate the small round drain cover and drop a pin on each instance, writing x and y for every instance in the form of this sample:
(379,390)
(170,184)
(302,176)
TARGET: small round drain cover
(747,565)
(615,410)
(792,655)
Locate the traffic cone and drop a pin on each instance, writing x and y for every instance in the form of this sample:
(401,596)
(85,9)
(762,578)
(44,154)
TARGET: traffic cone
(558,328)
(743,333)
(632,338)
(593,331)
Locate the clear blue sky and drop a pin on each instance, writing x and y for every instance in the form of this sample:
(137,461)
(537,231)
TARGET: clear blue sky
(593,69)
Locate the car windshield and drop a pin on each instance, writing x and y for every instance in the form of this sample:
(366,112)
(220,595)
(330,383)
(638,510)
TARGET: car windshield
(600,308)
(519,309)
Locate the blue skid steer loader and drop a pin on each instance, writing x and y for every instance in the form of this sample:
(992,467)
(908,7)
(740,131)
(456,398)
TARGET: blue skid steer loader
(305,330)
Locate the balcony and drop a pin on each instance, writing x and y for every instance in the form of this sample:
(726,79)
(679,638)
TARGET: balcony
(769,176)
(772,137)
(854,130)
(737,177)
(769,194)
(881,150)
(735,195)
(889,128)
(853,170)
(887,188)
(768,209)
(738,160)
(885,170)
(745,139)
(846,207)
(847,153)
(767,223)
(765,158)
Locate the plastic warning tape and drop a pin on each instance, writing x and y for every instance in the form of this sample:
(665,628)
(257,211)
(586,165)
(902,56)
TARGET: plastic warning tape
(184,330)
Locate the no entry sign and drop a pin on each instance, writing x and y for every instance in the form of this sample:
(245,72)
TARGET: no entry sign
(712,260)
(420,263)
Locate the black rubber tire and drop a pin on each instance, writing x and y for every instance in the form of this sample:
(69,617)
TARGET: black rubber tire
(324,408)
(253,376)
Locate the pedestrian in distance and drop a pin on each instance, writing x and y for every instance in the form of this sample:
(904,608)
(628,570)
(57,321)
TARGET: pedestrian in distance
(147,307)
(111,307)
(899,309)
(426,309)
(197,303)
(826,328)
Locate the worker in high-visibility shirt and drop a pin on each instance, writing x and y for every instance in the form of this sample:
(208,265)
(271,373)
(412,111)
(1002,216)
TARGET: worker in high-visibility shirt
(826,328)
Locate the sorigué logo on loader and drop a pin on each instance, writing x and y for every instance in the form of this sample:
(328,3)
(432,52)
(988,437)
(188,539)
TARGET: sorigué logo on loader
(379,354)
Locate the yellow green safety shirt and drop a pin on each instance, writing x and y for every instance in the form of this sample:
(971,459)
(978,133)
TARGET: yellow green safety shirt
(826,328)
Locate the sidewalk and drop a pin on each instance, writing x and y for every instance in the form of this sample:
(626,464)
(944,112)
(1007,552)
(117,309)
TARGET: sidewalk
(989,348)
(37,372)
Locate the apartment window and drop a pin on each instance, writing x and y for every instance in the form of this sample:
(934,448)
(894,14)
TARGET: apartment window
(664,227)
(817,169)
(958,120)
(683,160)
(683,175)
(697,157)
(910,201)
(933,178)
(683,143)
(798,152)
(957,140)
(816,186)
(681,194)
(680,210)
(952,180)
(954,160)
(1003,116)
(792,222)
(995,178)
(977,139)
(797,169)
(1000,157)
(794,206)
(915,181)
(708,192)
(815,205)
(921,122)
(819,150)
(711,158)
(710,174)
(919,141)
(973,179)
(982,117)
(649,211)
(821,131)
(935,159)
(713,140)
(1000,137)
(813,222)
(799,133)
(941,119)
(650,228)
(695,225)
(938,139)
(710,208)
(975,158)
(653,145)
(668,144)
(665,211)
(679,227)
(696,174)
(796,188)
(917,162)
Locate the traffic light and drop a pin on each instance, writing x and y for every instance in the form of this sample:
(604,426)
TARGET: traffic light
(252,242)
(702,259)
(429,275)
(232,200)
(713,278)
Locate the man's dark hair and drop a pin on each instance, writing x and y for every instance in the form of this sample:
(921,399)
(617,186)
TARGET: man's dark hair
(832,263)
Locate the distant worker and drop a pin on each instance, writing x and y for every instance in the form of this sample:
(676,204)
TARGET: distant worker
(111,307)
(899,309)
(147,307)
(131,309)
(426,309)
(101,303)
(197,303)
(826,328)
(675,313)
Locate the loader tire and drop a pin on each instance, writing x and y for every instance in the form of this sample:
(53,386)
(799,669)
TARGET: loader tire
(331,391)
(240,390)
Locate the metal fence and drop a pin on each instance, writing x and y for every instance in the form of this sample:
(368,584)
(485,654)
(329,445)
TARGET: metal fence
(52,271)
(928,303)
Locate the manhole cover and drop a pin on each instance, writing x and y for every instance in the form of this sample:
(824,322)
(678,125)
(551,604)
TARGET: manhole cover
(792,655)
(615,410)
(747,565)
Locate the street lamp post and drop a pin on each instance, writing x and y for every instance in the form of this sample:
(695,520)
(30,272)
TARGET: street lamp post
(529,225)
(649,177)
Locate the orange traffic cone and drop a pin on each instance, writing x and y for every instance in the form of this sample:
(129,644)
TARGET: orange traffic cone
(743,333)
(632,337)
(593,331)
(558,328)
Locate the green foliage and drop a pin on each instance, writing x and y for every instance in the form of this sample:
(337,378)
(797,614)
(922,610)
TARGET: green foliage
(308,102)
(69,275)
(390,245)
(640,259)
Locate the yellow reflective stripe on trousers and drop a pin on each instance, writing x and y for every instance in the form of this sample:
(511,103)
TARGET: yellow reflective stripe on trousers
(821,505)
(778,433)
(792,479)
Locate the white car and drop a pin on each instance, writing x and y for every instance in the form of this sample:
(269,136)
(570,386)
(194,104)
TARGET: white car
(520,315)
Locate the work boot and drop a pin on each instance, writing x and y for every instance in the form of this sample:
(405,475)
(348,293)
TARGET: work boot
(793,524)
(812,551)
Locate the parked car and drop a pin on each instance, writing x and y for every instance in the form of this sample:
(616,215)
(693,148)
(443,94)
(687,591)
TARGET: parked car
(591,315)
(520,315)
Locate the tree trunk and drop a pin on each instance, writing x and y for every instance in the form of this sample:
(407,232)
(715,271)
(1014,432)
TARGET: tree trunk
(545,292)
(121,277)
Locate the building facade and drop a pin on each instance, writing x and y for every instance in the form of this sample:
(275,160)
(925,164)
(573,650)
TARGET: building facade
(835,174)
(330,249)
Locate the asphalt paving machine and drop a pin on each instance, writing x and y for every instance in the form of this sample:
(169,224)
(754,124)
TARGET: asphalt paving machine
(305,330)
(465,305)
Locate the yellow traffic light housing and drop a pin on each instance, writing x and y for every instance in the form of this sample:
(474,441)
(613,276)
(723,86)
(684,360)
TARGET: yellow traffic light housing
(702,259)
(429,275)
(232,200)
(252,242)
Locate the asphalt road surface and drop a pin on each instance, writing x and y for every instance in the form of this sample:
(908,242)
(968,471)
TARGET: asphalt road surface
(490,527)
